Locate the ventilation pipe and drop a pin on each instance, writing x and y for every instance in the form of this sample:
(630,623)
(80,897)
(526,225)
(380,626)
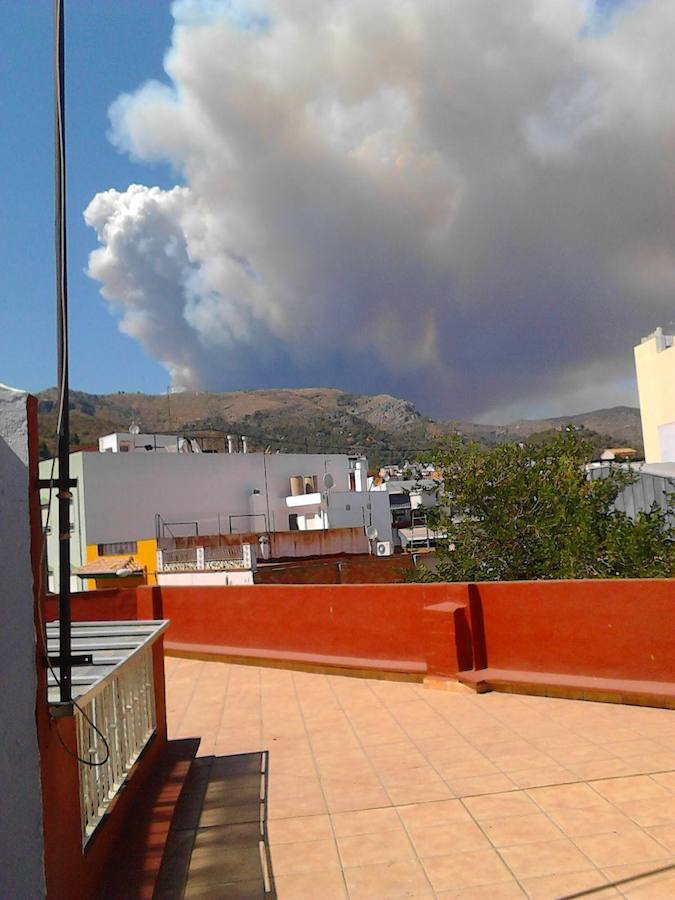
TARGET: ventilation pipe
(230,444)
(244,444)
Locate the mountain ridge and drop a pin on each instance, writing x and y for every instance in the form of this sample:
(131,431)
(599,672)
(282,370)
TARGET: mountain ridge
(384,427)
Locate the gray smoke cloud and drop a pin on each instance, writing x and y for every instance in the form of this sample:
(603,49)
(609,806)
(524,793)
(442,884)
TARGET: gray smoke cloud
(467,203)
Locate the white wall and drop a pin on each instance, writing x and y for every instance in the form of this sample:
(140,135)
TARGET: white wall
(365,508)
(120,493)
(78,535)
(21,848)
(183,579)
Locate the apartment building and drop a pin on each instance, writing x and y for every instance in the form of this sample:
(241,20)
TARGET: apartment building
(655,367)
(124,503)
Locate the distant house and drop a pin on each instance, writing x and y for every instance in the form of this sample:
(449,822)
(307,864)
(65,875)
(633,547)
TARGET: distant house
(618,453)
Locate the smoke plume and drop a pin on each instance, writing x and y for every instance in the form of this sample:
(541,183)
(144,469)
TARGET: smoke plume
(467,203)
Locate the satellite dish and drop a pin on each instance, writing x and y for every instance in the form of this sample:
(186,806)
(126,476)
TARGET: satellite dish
(134,429)
(371,533)
(328,481)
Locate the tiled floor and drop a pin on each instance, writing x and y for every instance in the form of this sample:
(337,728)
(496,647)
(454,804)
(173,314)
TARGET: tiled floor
(379,789)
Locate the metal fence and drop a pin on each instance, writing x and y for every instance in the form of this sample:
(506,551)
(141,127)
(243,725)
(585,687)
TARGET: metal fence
(123,709)
(199,559)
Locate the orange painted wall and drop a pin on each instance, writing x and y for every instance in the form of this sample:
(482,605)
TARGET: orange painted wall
(609,629)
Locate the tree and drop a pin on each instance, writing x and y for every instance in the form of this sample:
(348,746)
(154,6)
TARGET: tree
(529,511)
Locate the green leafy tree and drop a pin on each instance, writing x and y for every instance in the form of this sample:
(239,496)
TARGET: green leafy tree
(528,511)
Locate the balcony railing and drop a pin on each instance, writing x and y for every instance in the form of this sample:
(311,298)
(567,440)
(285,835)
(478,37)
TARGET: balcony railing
(114,709)
(201,559)
(123,711)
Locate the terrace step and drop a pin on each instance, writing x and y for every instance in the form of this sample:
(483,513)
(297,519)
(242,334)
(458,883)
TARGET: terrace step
(572,687)
(402,668)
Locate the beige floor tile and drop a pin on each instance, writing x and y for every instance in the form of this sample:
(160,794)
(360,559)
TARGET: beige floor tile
(387,881)
(374,848)
(466,768)
(499,806)
(540,777)
(485,784)
(650,811)
(344,799)
(365,821)
(466,870)
(601,768)
(615,848)
(303,828)
(516,830)
(439,840)
(553,887)
(547,858)
(304,856)
(664,834)
(311,886)
(667,779)
(567,796)
(506,891)
(423,791)
(440,812)
(654,880)
(590,820)
(636,787)
(295,807)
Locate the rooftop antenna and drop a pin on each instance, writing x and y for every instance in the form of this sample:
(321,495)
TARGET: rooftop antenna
(63,482)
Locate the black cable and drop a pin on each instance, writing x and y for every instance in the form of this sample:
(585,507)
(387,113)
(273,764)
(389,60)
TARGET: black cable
(60,229)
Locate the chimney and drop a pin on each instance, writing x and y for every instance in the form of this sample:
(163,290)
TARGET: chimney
(244,444)
(230,444)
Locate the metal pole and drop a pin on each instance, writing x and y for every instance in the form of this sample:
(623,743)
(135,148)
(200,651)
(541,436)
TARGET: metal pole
(63,448)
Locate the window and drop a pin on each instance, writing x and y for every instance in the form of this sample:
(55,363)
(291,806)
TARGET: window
(304,484)
(118,549)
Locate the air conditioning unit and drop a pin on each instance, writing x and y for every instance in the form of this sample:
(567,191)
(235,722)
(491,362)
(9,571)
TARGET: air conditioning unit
(383,548)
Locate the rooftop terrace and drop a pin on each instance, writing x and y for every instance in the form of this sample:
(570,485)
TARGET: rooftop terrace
(379,789)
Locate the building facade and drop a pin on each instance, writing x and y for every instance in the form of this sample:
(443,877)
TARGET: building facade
(125,503)
(655,367)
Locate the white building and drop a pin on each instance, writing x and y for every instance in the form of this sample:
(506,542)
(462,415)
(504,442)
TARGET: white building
(125,502)
(133,441)
(655,368)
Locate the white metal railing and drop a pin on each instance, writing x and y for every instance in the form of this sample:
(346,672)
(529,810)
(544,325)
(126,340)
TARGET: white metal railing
(123,710)
(199,559)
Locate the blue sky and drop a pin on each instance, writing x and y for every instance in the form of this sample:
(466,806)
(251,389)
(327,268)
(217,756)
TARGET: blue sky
(111,46)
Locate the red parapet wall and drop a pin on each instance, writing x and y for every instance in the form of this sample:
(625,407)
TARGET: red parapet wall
(365,626)
(607,629)
(90,606)
(601,628)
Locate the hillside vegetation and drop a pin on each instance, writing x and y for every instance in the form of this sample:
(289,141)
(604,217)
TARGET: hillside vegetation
(322,420)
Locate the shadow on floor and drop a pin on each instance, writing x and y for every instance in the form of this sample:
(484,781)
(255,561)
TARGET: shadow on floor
(217,845)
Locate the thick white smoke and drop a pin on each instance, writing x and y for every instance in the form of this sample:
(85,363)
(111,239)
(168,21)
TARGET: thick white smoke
(467,203)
